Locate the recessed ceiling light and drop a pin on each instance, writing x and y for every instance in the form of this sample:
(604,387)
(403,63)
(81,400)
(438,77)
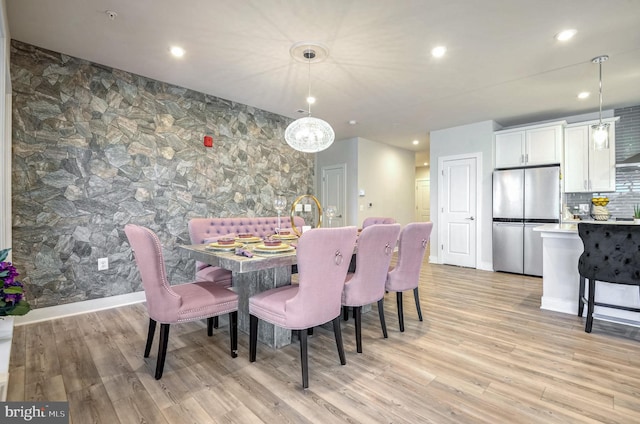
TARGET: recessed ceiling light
(177,51)
(311,100)
(415,142)
(566,35)
(426,163)
(584,95)
(353,122)
(438,51)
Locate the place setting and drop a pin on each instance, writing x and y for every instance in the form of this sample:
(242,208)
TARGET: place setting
(284,235)
(248,238)
(273,245)
(225,244)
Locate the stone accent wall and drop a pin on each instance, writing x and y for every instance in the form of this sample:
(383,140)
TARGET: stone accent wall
(95,148)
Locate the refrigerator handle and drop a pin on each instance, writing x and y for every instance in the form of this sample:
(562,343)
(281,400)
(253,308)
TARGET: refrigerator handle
(526,157)
(521,158)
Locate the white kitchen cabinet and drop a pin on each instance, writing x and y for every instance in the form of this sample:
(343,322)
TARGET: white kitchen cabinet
(510,149)
(587,170)
(528,146)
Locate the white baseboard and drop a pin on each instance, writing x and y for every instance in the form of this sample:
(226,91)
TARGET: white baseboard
(559,305)
(485,266)
(77,308)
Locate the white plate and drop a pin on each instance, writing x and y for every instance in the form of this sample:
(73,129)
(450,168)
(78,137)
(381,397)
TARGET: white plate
(283,248)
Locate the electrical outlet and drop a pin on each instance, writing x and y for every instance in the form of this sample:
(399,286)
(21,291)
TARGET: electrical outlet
(103,264)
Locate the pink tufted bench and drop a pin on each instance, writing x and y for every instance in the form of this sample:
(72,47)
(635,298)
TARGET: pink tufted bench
(376,220)
(208,230)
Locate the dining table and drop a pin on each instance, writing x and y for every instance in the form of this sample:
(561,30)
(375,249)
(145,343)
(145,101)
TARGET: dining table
(251,275)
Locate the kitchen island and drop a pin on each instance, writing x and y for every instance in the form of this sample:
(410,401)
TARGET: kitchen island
(561,249)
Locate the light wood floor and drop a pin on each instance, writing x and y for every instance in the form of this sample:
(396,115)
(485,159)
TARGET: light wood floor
(485,353)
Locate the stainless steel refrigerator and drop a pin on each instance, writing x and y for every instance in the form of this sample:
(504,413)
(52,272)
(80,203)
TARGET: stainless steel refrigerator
(523,198)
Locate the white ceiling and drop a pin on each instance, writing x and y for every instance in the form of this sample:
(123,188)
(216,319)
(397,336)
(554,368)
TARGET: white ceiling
(503,62)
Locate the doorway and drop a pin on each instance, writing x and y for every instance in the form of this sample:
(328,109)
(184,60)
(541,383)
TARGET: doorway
(423,200)
(458,214)
(334,193)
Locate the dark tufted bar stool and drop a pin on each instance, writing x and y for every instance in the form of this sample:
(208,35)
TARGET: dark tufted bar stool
(611,254)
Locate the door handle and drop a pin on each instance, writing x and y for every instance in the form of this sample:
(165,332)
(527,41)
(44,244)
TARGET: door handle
(339,216)
(470,218)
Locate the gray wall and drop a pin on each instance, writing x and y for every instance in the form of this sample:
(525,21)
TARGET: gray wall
(342,151)
(387,175)
(423,173)
(95,148)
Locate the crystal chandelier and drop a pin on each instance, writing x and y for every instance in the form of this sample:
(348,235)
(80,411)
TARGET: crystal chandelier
(600,131)
(308,134)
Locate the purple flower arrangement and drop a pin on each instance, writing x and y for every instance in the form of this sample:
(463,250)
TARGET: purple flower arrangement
(11,290)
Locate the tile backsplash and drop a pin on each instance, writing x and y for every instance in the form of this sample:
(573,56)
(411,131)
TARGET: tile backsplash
(627,192)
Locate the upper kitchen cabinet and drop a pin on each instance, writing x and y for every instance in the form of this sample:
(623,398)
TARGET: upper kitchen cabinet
(585,168)
(529,146)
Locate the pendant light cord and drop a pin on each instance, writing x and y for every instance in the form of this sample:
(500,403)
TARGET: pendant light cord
(599,61)
(309,78)
(600,113)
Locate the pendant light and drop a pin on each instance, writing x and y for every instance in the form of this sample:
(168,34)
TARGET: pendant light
(600,131)
(308,134)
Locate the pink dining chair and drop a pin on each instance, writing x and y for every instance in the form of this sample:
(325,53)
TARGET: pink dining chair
(205,272)
(323,257)
(406,274)
(180,303)
(366,285)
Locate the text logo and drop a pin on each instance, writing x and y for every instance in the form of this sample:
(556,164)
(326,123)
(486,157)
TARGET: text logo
(35,412)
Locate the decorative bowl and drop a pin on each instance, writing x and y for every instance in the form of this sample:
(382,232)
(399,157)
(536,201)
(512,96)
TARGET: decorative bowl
(225,241)
(272,243)
(245,235)
(284,232)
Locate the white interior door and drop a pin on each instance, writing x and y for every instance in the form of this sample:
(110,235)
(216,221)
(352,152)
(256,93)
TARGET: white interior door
(459,212)
(5,142)
(334,193)
(423,201)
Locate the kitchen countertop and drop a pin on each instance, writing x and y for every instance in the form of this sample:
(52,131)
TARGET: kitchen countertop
(558,228)
(572,226)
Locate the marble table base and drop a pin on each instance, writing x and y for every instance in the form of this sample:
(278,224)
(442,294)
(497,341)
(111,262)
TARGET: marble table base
(247,284)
